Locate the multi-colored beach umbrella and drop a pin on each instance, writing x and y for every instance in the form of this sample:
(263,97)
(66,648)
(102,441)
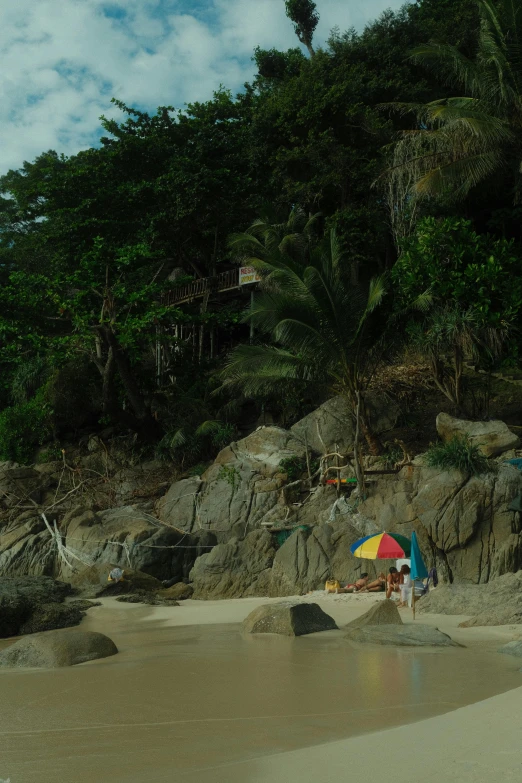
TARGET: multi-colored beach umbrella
(382,546)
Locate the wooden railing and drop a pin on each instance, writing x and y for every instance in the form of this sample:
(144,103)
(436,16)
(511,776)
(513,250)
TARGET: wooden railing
(226,281)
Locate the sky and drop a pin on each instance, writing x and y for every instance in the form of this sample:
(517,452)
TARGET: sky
(63,60)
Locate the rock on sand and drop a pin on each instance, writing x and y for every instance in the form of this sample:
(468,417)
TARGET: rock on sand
(383,613)
(401,636)
(289,619)
(54,649)
(512,648)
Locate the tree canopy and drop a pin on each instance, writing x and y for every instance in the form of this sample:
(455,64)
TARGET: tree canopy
(425,100)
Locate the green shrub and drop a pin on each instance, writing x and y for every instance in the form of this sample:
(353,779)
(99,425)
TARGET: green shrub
(23,428)
(458,453)
(231,475)
(294,467)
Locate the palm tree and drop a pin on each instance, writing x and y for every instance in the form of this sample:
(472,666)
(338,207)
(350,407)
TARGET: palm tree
(459,141)
(322,329)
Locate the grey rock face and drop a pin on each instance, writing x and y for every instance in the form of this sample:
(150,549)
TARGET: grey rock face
(415,635)
(115,536)
(235,569)
(288,619)
(383,613)
(22,599)
(464,524)
(93,582)
(48,617)
(238,490)
(178,592)
(512,648)
(497,603)
(55,649)
(333,423)
(492,437)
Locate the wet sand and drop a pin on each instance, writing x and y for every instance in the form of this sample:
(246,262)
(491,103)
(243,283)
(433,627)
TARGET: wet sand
(190,699)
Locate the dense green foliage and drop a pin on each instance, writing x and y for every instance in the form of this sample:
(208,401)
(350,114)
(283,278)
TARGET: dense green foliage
(90,245)
(459,265)
(23,427)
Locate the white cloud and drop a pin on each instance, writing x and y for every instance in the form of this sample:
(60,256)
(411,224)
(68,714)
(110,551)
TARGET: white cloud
(62,60)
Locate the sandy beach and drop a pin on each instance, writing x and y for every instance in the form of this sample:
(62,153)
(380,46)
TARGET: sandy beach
(189,699)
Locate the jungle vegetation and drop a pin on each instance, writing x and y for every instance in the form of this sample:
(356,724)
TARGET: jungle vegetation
(374,183)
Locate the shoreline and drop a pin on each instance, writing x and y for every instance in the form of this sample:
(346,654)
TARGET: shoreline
(189,698)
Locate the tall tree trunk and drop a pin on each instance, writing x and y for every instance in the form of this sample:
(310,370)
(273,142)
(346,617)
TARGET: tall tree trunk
(373,442)
(108,390)
(144,423)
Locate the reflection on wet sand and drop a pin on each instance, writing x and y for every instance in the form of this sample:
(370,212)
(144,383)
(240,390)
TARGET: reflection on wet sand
(181,699)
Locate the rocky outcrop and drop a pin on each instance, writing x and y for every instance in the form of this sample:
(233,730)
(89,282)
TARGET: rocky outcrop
(332,424)
(55,649)
(49,617)
(383,613)
(257,566)
(92,582)
(235,569)
(492,437)
(124,537)
(26,602)
(464,524)
(401,636)
(239,491)
(512,648)
(497,603)
(178,592)
(288,619)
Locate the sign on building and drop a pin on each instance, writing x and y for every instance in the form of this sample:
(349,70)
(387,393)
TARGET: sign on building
(247,274)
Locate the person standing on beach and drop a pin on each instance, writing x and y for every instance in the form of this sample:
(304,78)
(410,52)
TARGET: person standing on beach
(405,585)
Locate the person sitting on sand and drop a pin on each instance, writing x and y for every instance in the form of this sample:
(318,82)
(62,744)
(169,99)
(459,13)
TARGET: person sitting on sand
(377,586)
(393,582)
(406,585)
(357,587)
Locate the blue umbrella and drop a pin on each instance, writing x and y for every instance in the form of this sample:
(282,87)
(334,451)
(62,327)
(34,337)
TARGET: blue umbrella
(418,569)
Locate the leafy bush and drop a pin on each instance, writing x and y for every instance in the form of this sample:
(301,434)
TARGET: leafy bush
(458,453)
(460,266)
(231,475)
(294,467)
(23,428)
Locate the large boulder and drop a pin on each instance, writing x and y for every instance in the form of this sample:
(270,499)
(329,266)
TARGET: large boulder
(416,635)
(332,424)
(238,491)
(497,603)
(492,437)
(235,569)
(55,649)
(178,592)
(257,565)
(512,648)
(92,582)
(22,599)
(465,525)
(125,536)
(383,613)
(288,619)
(130,539)
(49,617)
